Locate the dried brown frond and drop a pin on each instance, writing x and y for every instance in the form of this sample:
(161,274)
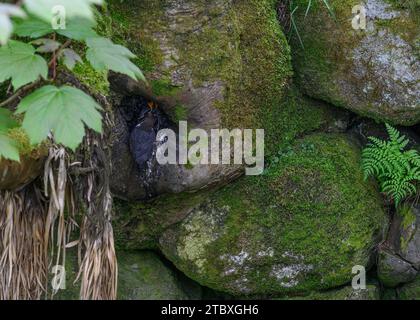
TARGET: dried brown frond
(23,261)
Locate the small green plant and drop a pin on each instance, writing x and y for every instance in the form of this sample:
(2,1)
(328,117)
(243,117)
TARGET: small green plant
(32,47)
(397,171)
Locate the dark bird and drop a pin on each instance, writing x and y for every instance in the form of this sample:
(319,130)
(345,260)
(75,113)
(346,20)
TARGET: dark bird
(142,138)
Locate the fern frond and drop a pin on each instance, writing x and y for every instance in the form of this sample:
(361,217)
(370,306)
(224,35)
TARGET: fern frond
(398,171)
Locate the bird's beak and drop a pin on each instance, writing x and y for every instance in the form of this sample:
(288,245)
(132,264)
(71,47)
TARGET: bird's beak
(151,105)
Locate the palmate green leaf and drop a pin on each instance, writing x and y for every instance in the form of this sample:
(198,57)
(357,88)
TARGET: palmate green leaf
(103,54)
(19,62)
(43,9)
(6,26)
(76,28)
(8,148)
(32,27)
(6,121)
(64,111)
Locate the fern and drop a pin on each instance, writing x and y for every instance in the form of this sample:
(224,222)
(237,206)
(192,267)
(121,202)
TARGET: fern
(396,170)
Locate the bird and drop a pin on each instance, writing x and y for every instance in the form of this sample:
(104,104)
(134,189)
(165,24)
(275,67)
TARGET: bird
(143,136)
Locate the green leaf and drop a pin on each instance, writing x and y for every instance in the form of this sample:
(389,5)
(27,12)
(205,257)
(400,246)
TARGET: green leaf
(6,26)
(19,62)
(8,148)
(76,28)
(70,58)
(32,27)
(44,9)
(6,121)
(62,111)
(103,54)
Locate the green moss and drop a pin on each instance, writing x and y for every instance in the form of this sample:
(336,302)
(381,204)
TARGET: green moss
(95,80)
(410,291)
(123,23)
(408,219)
(180,113)
(259,70)
(313,204)
(163,88)
(295,116)
(19,136)
(319,60)
(141,276)
(138,225)
(347,293)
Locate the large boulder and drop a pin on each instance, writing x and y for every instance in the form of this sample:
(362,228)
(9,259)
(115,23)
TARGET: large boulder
(374,72)
(300,227)
(216,64)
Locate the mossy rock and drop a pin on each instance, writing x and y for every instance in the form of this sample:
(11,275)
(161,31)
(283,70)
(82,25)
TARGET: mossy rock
(371,292)
(214,63)
(403,241)
(410,291)
(138,225)
(393,270)
(373,72)
(13,174)
(300,227)
(142,275)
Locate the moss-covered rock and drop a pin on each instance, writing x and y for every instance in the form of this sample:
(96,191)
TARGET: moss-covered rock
(142,275)
(371,292)
(225,63)
(138,225)
(410,291)
(14,175)
(374,72)
(394,271)
(216,64)
(300,227)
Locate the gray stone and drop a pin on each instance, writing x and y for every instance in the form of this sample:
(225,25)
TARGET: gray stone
(374,72)
(393,271)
